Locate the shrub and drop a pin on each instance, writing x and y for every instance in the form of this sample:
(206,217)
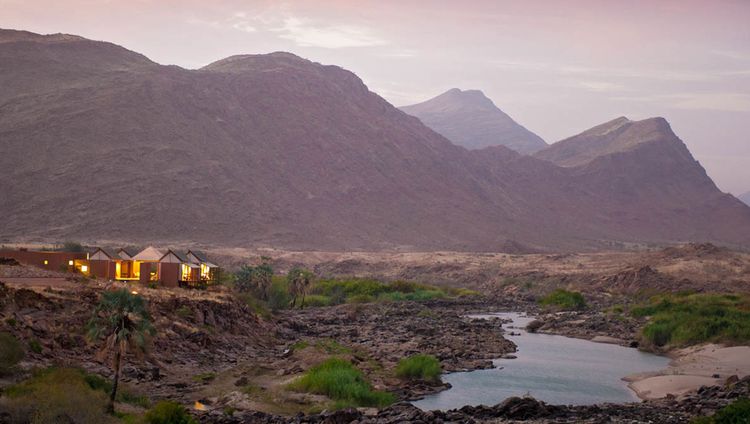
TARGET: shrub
(738,412)
(691,318)
(735,413)
(35,346)
(11,352)
(341,381)
(166,412)
(419,367)
(278,297)
(57,395)
(564,300)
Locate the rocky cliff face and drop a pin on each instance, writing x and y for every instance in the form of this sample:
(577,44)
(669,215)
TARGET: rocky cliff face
(99,143)
(469,119)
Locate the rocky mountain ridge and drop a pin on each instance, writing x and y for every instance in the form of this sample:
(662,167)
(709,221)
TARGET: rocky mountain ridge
(100,143)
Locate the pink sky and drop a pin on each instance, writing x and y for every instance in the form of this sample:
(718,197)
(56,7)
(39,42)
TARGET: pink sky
(557,67)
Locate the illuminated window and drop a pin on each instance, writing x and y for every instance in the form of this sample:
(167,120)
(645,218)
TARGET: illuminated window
(70,263)
(84,268)
(46,262)
(185,273)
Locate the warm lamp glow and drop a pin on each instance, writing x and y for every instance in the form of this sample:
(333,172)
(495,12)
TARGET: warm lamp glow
(84,268)
(134,292)
(70,263)
(46,262)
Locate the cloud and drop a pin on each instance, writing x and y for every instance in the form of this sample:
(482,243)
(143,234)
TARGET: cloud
(244,26)
(601,86)
(303,33)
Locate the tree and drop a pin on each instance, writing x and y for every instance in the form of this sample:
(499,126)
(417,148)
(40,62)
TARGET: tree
(299,281)
(256,278)
(123,321)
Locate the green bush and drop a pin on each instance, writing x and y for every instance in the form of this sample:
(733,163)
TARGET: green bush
(342,382)
(689,318)
(167,412)
(564,300)
(278,296)
(317,300)
(11,352)
(738,412)
(419,367)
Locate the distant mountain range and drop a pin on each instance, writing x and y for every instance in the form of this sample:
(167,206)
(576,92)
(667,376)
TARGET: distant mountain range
(100,143)
(469,119)
(745,198)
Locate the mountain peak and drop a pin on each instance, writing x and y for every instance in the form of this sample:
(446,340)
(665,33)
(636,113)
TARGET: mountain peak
(455,98)
(258,62)
(615,136)
(470,119)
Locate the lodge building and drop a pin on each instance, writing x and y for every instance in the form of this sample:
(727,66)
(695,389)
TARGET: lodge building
(151,265)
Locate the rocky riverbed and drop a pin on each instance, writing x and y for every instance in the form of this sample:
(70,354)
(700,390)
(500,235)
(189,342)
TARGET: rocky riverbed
(528,410)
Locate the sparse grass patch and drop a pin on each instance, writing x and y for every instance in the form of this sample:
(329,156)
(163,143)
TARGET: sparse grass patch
(426,313)
(299,345)
(691,318)
(419,367)
(184,312)
(204,377)
(564,300)
(333,347)
(342,382)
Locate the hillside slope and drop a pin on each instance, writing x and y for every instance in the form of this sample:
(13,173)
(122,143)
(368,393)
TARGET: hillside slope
(100,143)
(469,119)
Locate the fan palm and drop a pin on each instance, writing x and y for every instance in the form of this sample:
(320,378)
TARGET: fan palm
(122,320)
(299,281)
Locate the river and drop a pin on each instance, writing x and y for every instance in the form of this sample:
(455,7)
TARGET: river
(554,369)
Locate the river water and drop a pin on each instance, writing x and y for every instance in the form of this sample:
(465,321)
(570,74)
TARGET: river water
(554,369)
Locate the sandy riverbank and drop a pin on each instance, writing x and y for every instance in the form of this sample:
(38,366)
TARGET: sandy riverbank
(705,365)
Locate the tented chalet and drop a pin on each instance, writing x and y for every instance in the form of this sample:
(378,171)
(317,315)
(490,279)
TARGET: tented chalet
(149,266)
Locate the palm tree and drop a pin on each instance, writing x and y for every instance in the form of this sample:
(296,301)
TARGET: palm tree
(255,278)
(123,321)
(299,281)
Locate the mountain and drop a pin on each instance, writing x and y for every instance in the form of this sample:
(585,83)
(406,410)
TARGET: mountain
(469,119)
(745,198)
(98,143)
